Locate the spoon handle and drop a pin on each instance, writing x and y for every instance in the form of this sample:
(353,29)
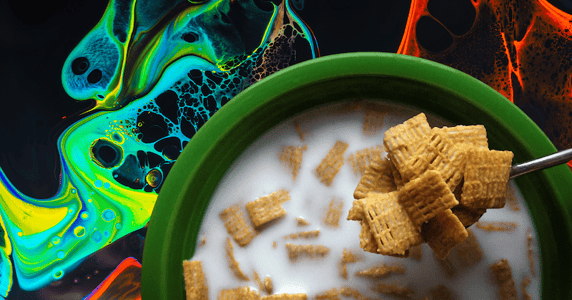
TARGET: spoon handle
(548,161)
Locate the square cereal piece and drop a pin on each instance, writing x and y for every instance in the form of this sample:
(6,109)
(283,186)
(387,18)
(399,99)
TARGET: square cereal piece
(393,230)
(443,232)
(373,118)
(285,297)
(425,197)
(435,153)
(237,226)
(503,277)
(378,177)
(473,135)
(401,141)
(195,282)
(267,208)
(291,156)
(468,216)
(331,164)
(469,251)
(312,251)
(241,293)
(361,159)
(381,271)
(333,213)
(486,178)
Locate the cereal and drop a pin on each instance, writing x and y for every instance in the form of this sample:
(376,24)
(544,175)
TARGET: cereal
(473,135)
(377,177)
(469,251)
(294,251)
(333,213)
(302,222)
(237,225)
(529,251)
(331,164)
(525,283)
(233,263)
(496,226)
(511,199)
(503,277)
(373,119)
(486,177)
(285,297)
(393,290)
(447,265)
(299,130)
(401,141)
(441,292)
(435,153)
(393,231)
(443,232)
(467,216)
(267,208)
(425,197)
(361,159)
(241,293)
(195,282)
(291,156)
(331,294)
(304,235)
(268,285)
(353,293)
(348,257)
(381,271)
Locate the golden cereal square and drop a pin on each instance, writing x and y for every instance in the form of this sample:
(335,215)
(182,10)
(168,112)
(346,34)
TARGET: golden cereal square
(361,159)
(291,157)
(468,216)
(425,197)
(393,230)
(502,274)
(473,135)
(469,251)
(333,213)
(401,141)
(381,271)
(373,118)
(267,208)
(331,164)
(378,177)
(195,282)
(486,178)
(311,251)
(443,232)
(436,153)
(237,226)
(241,293)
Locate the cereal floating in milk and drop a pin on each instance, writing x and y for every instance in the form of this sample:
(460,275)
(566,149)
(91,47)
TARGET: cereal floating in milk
(315,230)
(496,226)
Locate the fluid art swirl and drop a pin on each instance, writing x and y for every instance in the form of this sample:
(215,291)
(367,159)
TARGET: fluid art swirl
(157,72)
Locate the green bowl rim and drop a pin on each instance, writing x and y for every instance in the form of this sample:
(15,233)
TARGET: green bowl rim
(201,156)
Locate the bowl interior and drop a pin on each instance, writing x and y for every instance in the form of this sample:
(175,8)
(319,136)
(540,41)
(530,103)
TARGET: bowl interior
(404,80)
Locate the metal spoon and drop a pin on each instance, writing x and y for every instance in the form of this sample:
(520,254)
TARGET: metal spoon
(548,161)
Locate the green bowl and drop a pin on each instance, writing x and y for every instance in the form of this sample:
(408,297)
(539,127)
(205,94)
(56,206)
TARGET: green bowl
(422,84)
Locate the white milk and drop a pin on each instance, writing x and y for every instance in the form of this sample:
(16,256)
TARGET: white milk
(258,172)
